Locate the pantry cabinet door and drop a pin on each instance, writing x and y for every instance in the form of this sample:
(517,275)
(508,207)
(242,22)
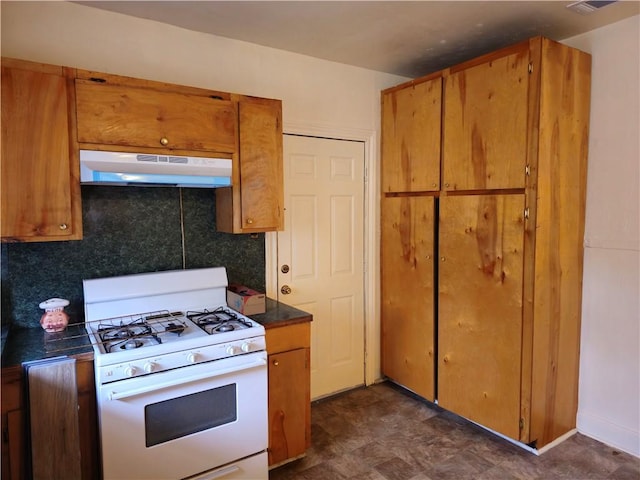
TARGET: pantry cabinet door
(485,124)
(480,309)
(407,293)
(411,119)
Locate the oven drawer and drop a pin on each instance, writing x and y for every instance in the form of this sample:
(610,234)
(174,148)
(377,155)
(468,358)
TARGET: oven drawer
(254,468)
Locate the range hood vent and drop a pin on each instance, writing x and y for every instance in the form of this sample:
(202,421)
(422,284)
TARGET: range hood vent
(142,169)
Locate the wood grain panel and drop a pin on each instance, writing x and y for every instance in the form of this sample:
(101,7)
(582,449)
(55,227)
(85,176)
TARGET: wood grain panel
(480,309)
(289,405)
(255,203)
(411,119)
(53,411)
(261,170)
(407,317)
(139,117)
(485,124)
(561,192)
(36,162)
(290,337)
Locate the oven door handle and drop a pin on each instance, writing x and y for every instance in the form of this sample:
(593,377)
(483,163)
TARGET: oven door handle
(160,386)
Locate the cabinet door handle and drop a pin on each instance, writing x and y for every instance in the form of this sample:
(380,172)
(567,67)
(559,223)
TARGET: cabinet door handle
(63,226)
(276,363)
(164,141)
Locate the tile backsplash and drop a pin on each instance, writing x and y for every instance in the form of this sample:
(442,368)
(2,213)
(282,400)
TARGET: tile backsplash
(126,230)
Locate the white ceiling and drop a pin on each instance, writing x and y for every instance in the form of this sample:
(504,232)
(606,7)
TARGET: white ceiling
(405,38)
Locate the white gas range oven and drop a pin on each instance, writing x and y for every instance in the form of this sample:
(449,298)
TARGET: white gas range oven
(181,379)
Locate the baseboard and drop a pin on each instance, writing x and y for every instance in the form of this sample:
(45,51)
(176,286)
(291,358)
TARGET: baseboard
(557,441)
(612,434)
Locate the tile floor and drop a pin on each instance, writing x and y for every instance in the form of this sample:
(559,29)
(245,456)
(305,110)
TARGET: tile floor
(384,433)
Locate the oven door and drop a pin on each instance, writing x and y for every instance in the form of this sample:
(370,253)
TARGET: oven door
(186,421)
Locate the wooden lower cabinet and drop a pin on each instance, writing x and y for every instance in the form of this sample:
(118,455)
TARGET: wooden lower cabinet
(408,355)
(480,309)
(289,392)
(15,447)
(13,425)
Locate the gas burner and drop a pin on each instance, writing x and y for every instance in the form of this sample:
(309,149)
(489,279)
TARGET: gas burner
(225,327)
(131,344)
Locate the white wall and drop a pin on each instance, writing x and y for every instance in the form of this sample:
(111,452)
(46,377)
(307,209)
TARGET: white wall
(609,396)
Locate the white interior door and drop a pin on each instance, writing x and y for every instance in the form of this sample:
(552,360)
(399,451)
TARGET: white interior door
(321,254)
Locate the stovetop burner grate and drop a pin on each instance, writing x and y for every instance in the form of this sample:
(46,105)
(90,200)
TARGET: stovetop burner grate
(219,320)
(128,333)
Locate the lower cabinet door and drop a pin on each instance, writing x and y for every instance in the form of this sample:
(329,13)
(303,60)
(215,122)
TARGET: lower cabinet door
(407,317)
(480,308)
(289,392)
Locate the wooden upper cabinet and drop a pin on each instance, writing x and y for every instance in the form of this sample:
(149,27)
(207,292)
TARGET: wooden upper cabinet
(142,117)
(411,119)
(485,122)
(255,201)
(40,188)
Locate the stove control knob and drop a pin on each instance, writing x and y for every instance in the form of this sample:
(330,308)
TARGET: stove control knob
(232,350)
(130,371)
(192,357)
(149,367)
(246,347)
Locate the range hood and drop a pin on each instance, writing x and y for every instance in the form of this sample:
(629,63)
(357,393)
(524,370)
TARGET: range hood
(142,169)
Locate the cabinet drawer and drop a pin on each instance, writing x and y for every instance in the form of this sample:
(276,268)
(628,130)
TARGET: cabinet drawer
(140,117)
(282,339)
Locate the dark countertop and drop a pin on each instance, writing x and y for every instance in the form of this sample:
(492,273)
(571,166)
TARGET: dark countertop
(278,314)
(29,344)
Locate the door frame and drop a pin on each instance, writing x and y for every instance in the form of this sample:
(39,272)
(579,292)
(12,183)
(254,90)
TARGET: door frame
(371,269)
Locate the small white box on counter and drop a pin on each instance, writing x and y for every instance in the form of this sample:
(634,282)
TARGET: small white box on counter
(245,300)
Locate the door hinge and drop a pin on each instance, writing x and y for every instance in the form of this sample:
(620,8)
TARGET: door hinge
(521,423)
(531,67)
(526,213)
(527,170)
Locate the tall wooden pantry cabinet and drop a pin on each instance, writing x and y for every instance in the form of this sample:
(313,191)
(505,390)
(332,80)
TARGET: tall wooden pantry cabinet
(484,185)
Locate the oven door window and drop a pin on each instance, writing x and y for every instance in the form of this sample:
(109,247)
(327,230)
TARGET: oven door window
(182,416)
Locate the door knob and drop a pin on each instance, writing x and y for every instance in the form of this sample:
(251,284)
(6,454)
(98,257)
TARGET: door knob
(285,290)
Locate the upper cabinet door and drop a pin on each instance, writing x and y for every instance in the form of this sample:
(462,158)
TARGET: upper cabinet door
(122,115)
(411,119)
(255,201)
(485,124)
(261,170)
(40,193)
